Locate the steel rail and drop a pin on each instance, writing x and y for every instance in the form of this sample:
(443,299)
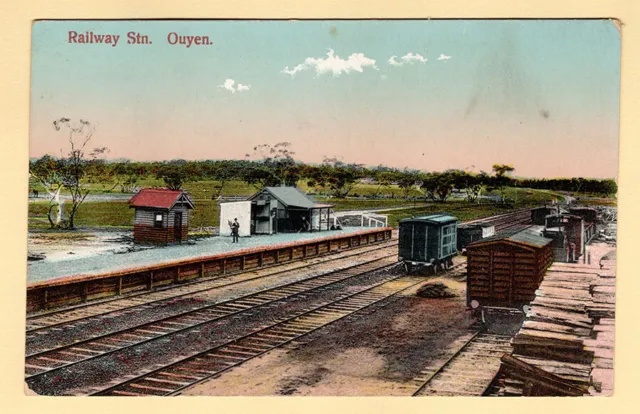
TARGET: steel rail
(183,285)
(212,307)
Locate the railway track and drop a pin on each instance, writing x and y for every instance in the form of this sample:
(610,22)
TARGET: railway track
(43,321)
(144,300)
(48,361)
(184,373)
(171,379)
(469,371)
(508,221)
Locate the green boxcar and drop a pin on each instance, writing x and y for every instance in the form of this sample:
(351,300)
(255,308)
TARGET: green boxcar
(428,241)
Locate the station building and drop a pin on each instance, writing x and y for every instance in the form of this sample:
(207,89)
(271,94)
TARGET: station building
(275,210)
(161,216)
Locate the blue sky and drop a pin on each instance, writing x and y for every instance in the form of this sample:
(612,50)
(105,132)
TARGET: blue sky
(543,95)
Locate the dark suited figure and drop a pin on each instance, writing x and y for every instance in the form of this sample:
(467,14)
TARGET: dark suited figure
(235,229)
(306,226)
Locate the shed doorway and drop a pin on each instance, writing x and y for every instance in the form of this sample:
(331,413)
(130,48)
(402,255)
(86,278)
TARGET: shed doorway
(177,226)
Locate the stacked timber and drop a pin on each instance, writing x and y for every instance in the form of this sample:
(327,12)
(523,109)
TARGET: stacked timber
(603,291)
(602,309)
(558,323)
(565,345)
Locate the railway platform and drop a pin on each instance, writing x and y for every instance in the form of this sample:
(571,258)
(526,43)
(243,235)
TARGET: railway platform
(53,284)
(108,262)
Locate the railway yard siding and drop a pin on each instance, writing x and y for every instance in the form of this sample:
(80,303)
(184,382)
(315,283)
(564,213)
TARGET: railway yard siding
(296,320)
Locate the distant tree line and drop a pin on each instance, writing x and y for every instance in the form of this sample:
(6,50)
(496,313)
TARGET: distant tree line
(273,165)
(332,177)
(575,185)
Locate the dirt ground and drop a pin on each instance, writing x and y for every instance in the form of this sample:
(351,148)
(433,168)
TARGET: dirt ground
(61,246)
(375,354)
(378,353)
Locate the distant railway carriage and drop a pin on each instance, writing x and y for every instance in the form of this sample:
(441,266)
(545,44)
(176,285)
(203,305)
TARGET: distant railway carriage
(590,215)
(570,236)
(469,233)
(428,241)
(538,215)
(505,270)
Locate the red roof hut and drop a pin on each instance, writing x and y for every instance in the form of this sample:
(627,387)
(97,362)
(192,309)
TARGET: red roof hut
(162,216)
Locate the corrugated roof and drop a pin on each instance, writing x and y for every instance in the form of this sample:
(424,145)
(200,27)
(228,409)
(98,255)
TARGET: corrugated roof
(292,197)
(528,236)
(159,198)
(434,218)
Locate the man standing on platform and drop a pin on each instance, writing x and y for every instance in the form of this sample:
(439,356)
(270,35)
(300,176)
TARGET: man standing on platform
(235,229)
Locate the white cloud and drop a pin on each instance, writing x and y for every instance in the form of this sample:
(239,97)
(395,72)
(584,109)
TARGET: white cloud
(443,57)
(334,64)
(229,84)
(296,69)
(392,61)
(383,77)
(408,58)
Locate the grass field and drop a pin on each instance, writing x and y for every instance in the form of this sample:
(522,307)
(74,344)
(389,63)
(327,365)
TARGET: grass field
(606,202)
(461,210)
(205,188)
(114,214)
(117,214)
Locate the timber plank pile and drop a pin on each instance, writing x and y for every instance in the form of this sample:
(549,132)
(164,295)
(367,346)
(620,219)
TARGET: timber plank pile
(469,371)
(565,345)
(602,309)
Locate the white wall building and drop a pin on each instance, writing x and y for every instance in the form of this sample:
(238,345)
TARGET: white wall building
(240,210)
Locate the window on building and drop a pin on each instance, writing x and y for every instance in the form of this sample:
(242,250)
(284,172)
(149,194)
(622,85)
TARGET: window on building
(158,220)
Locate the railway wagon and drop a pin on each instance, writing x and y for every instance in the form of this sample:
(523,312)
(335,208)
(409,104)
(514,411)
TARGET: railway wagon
(427,241)
(469,233)
(538,215)
(590,215)
(505,270)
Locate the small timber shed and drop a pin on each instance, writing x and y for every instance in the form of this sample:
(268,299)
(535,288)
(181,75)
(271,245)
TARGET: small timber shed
(162,216)
(287,210)
(427,240)
(506,269)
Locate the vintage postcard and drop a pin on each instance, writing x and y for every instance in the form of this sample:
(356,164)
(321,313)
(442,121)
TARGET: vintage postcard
(322,208)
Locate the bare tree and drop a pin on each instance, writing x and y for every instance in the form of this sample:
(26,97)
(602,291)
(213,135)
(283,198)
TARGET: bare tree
(74,166)
(47,171)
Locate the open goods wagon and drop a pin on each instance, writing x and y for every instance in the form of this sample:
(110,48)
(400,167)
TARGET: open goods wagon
(469,233)
(428,241)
